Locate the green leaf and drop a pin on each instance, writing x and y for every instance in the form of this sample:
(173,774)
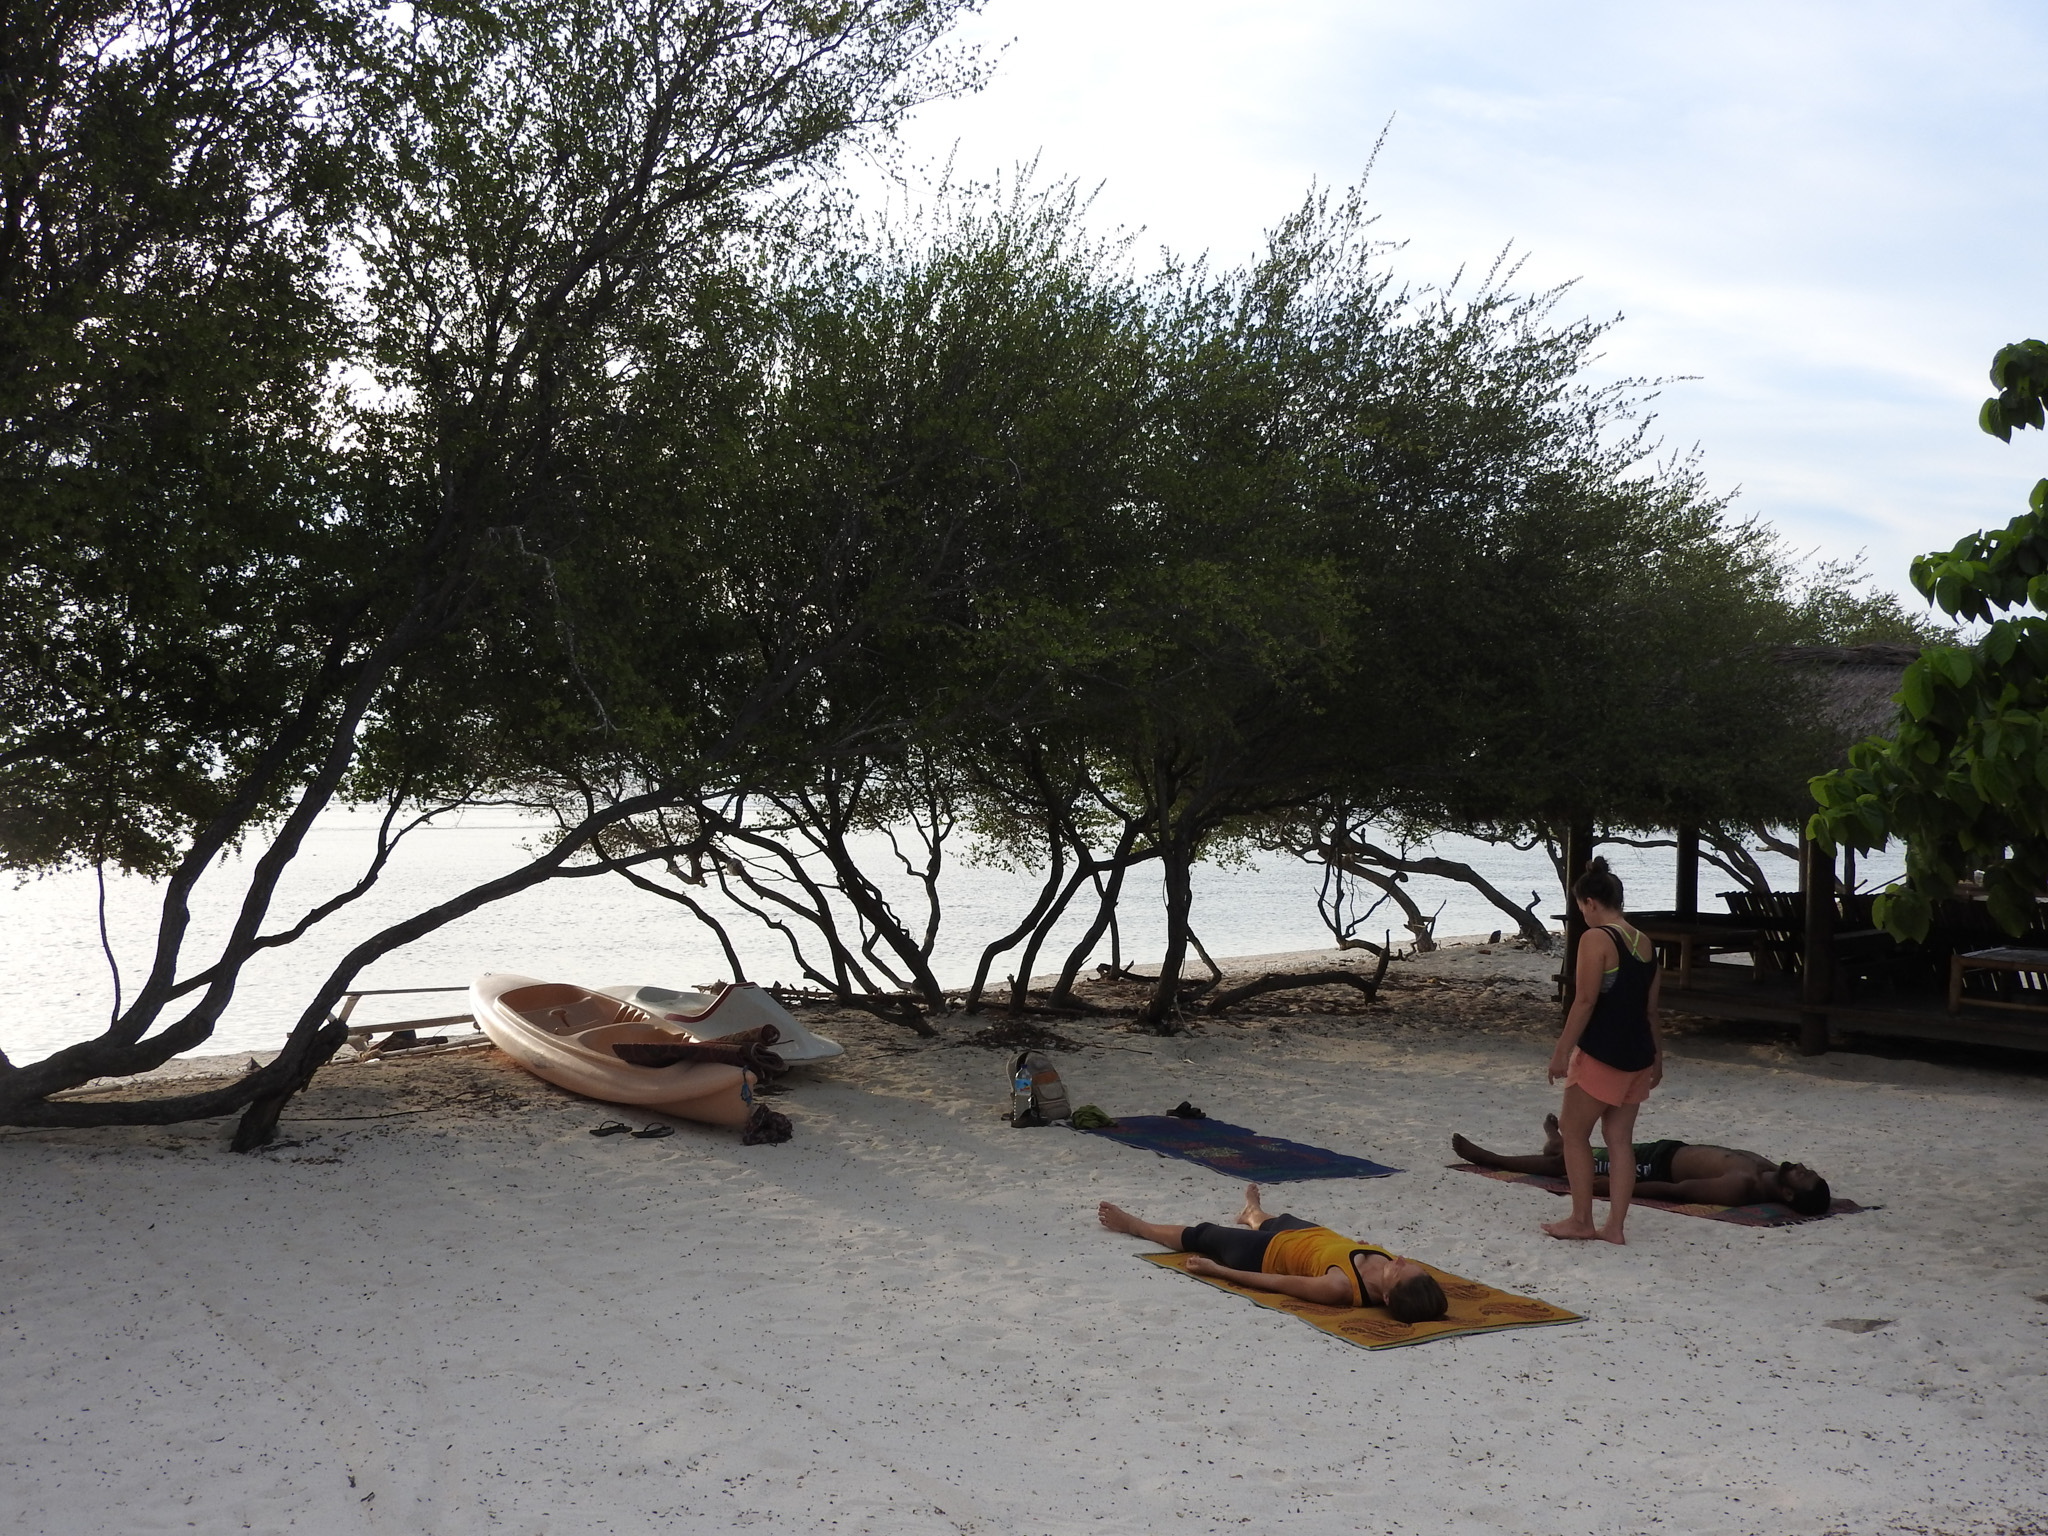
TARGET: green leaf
(1916,692)
(1902,912)
(2010,905)
(1958,788)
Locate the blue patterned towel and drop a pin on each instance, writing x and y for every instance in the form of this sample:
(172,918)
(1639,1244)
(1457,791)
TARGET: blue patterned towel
(1238,1152)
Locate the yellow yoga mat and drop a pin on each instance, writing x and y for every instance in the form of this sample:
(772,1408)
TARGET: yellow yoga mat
(1475,1308)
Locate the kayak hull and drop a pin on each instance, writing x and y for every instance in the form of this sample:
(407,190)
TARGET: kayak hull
(563,1034)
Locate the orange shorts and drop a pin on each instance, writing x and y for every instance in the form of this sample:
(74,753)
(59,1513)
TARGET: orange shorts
(1609,1085)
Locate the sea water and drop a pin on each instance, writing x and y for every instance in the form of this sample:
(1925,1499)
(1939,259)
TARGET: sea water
(601,931)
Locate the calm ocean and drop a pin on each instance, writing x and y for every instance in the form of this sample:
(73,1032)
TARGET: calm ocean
(603,931)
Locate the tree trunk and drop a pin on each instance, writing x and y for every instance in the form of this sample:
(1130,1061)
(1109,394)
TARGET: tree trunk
(828,834)
(1370,986)
(1417,925)
(1687,887)
(1578,851)
(1178,858)
(1105,921)
(1817,978)
(258,1125)
(1020,983)
(1047,893)
(1353,854)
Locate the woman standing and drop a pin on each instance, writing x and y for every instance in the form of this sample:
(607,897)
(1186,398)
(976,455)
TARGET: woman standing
(1609,1054)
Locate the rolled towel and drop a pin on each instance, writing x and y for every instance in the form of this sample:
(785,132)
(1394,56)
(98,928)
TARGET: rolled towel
(753,1056)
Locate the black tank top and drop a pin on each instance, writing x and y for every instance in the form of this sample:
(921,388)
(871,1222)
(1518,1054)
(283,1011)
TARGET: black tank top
(1618,1034)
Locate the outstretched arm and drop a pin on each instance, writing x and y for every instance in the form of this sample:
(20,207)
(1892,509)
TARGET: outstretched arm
(1330,1287)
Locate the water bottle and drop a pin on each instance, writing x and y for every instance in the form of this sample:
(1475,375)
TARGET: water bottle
(1021,1097)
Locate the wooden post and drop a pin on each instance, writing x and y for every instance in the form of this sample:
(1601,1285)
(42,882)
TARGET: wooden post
(1817,960)
(1578,849)
(1688,900)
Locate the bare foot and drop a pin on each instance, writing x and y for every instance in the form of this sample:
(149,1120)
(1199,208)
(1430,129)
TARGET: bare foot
(1117,1219)
(1572,1231)
(1253,1213)
(1470,1151)
(1553,1137)
(1613,1235)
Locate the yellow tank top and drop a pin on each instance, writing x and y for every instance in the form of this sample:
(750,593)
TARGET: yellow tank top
(1310,1251)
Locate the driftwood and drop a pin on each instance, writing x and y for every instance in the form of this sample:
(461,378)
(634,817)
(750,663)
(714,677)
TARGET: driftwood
(1072,1008)
(1287,982)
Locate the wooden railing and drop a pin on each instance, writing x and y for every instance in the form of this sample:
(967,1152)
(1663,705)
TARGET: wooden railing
(363,1036)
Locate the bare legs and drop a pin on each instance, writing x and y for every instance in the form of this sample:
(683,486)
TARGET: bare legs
(1618,1124)
(1117,1219)
(1551,1161)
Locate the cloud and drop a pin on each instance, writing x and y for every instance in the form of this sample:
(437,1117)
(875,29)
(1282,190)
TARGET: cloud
(1828,212)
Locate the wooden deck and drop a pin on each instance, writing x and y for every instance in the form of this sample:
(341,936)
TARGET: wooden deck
(1726,990)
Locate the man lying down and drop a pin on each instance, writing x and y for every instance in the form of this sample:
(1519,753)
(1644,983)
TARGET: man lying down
(1290,1257)
(1685,1173)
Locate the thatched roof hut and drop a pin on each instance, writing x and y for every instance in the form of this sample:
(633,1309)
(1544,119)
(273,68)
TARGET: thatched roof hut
(1858,683)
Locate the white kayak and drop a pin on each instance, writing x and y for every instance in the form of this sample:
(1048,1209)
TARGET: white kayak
(565,1034)
(731,1010)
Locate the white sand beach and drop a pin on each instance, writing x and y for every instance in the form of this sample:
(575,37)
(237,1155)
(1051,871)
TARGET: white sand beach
(440,1305)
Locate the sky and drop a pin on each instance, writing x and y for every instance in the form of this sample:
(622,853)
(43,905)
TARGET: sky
(1823,218)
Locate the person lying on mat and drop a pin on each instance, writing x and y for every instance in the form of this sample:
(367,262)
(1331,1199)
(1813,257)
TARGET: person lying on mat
(1688,1173)
(1291,1257)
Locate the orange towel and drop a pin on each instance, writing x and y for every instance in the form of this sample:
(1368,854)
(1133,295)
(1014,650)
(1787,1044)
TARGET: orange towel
(1475,1308)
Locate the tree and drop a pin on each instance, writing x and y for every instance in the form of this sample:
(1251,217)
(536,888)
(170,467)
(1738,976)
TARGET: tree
(1964,781)
(790,859)
(1342,840)
(1835,603)
(175,188)
(958,397)
(324,327)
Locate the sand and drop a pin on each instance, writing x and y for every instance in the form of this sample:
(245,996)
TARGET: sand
(439,1305)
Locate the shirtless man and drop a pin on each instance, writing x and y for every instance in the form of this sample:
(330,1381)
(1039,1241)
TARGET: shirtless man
(1292,1257)
(1683,1172)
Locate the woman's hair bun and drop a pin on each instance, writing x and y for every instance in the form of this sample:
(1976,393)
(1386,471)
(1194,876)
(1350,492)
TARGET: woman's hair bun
(1598,883)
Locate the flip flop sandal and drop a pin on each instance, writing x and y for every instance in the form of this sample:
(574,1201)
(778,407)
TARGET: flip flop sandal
(611,1128)
(653,1132)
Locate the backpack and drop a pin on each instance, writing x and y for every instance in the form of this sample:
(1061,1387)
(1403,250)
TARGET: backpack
(1037,1096)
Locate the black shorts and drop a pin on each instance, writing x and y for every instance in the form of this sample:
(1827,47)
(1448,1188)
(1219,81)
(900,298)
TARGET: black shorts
(1237,1248)
(1652,1159)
